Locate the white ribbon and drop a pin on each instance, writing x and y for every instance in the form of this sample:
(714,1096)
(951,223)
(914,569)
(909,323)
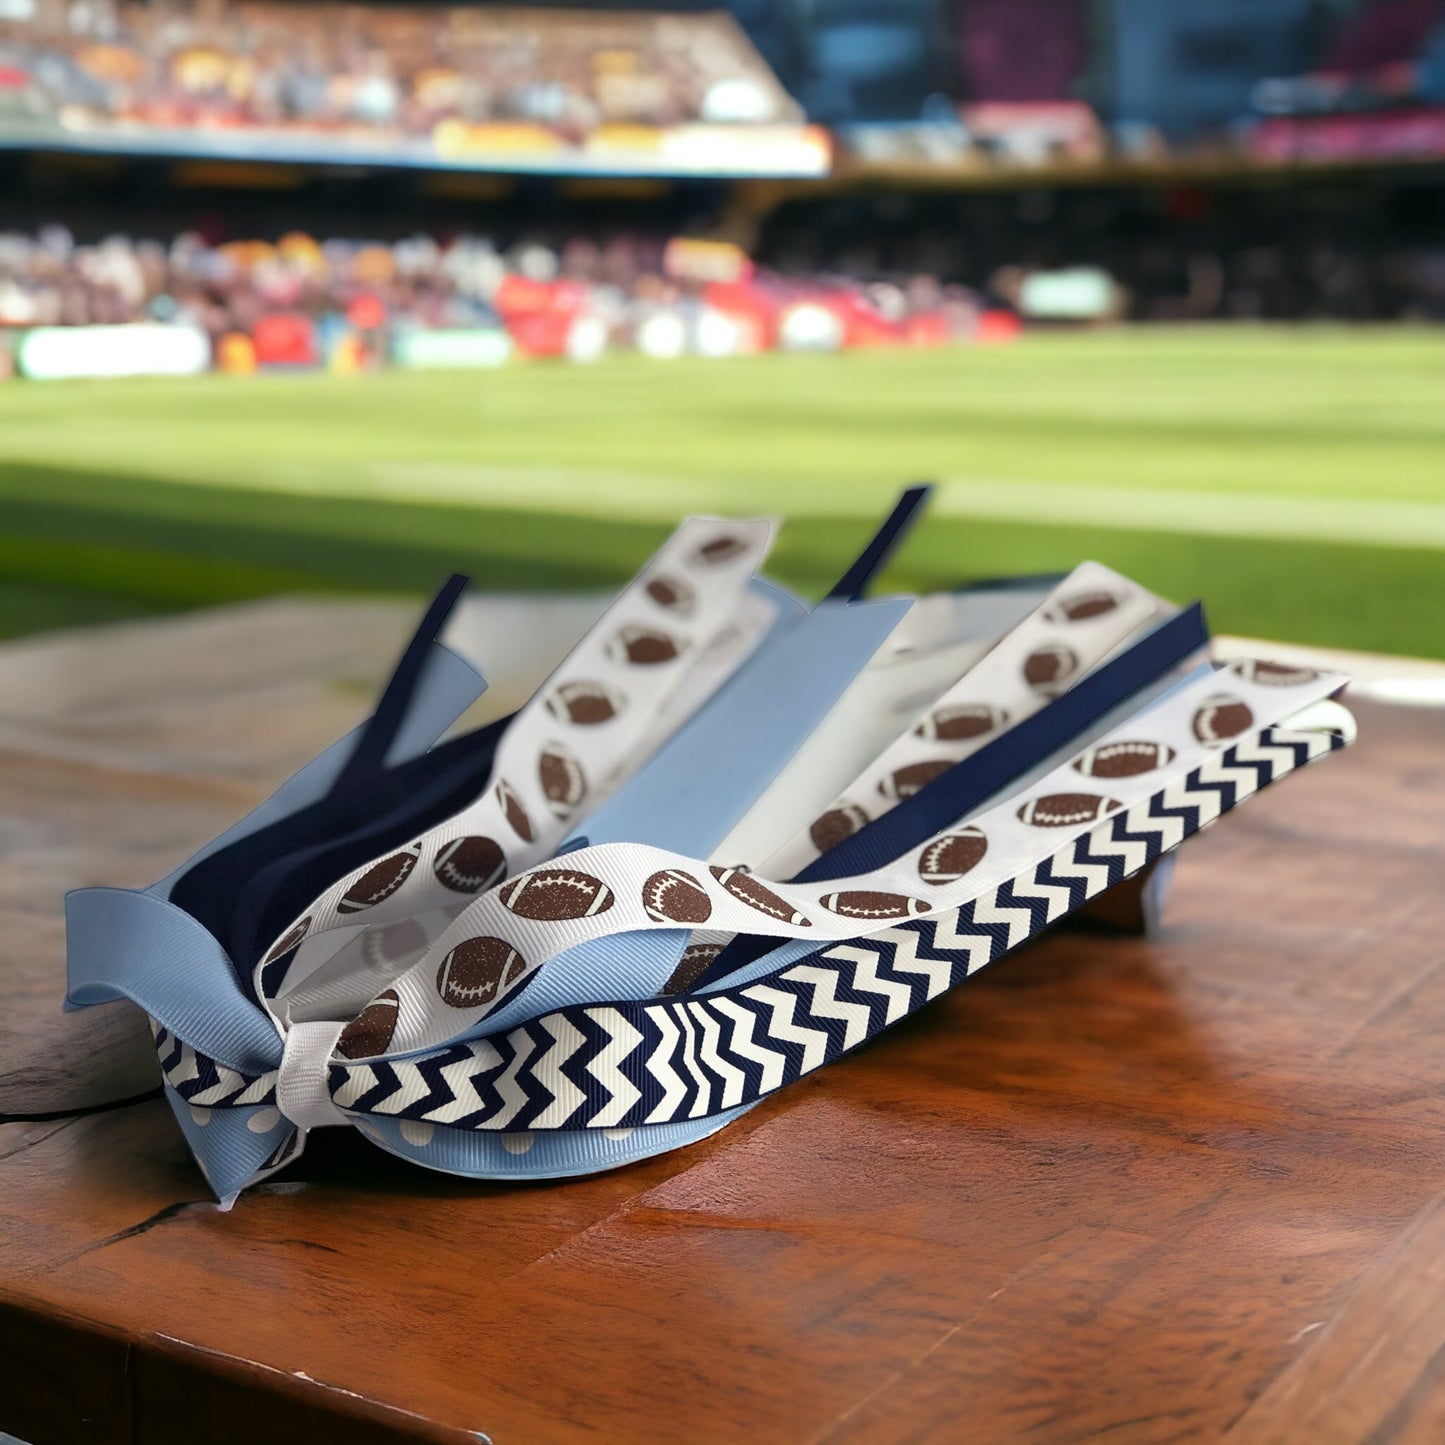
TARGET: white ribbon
(1076,627)
(533,919)
(301,1089)
(671,638)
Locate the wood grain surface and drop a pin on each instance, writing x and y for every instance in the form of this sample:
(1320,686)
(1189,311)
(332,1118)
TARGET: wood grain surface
(124,748)
(1128,1190)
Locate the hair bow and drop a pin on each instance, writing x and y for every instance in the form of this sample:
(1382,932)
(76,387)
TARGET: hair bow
(666,889)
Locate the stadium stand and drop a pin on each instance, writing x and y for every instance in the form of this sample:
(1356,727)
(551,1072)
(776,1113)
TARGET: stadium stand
(346,305)
(530,87)
(331,66)
(998,162)
(689,91)
(1377,90)
(823,274)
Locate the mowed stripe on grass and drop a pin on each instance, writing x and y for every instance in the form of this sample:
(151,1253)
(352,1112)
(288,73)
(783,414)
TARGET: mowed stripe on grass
(1296,480)
(1383,523)
(1309,413)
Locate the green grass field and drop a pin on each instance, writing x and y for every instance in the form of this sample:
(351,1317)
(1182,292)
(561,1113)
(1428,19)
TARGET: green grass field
(1293,479)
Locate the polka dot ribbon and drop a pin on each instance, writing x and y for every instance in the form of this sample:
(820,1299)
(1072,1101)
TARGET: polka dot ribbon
(887,943)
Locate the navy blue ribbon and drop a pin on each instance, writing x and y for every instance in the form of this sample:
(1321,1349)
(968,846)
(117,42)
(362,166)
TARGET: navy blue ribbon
(246,893)
(886,540)
(967,784)
(262,880)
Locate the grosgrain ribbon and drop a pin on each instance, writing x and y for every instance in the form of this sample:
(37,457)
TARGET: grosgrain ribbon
(164,952)
(683,1065)
(532,1022)
(502,940)
(561,752)
(793,678)
(628,1064)
(622,1065)
(1073,629)
(240,1143)
(1129,679)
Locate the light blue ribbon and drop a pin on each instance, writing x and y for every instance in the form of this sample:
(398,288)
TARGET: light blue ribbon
(137,945)
(635,966)
(697,787)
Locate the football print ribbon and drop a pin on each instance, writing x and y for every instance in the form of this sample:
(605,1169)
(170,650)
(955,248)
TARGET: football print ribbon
(1072,630)
(559,755)
(500,941)
(167,955)
(630,1064)
(650,1065)
(472,1001)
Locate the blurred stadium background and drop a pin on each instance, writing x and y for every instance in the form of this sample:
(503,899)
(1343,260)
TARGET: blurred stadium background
(300,296)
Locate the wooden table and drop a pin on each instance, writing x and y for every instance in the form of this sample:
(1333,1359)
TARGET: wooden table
(1182,1189)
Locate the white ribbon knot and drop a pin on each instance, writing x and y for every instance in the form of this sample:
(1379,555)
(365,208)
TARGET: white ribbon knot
(302,1094)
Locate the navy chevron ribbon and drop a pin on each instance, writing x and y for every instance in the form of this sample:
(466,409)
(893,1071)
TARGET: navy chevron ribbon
(627,1064)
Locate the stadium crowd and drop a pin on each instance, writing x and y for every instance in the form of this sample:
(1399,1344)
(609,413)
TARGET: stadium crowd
(393,73)
(1174,253)
(389,71)
(848,274)
(346,304)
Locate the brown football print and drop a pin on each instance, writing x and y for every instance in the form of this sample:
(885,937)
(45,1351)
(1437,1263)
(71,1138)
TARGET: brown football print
(562,779)
(514,812)
(695,961)
(1050,668)
(552,895)
(673,594)
(1275,674)
(393,943)
(478,971)
(380,881)
(1220,718)
(645,646)
(719,550)
(467,865)
(746,889)
(1081,606)
(862,904)
(1066,810)
(370,1031)
(673,896)
(585,703)
(1123,759)
(835,825)
(960,721)
(294,935)
(905,782)
(947,859)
